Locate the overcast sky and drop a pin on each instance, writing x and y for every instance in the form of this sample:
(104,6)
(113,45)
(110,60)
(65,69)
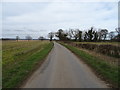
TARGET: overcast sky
(40,18)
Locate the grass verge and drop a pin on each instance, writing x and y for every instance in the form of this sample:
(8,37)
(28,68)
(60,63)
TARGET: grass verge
(108,72)
(16,74)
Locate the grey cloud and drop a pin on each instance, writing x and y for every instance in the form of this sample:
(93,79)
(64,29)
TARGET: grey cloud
(39,21)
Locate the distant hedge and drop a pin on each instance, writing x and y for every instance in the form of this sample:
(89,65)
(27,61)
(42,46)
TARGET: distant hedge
(106,49)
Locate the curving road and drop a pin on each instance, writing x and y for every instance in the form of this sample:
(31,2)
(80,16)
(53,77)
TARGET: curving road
(62,69)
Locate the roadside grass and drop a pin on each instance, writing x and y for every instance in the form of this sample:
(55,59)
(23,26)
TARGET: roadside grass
(22,65)
(104,70)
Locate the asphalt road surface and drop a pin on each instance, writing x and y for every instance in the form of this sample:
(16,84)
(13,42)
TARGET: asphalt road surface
(62,69)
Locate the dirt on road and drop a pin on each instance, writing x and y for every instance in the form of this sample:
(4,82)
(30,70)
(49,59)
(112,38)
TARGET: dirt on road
(62,69)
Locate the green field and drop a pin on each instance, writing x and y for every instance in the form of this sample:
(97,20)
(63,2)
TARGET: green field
(19,59)
(108,72)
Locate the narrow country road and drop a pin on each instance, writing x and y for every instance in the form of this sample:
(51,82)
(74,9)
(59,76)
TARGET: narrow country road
(62,69)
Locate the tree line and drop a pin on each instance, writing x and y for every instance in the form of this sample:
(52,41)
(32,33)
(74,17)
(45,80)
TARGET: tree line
(90,35)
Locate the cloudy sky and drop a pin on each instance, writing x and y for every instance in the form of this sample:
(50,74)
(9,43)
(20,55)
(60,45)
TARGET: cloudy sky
(38,18)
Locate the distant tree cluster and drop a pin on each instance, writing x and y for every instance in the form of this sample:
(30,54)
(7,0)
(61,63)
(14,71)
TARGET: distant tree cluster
(90,35)
(28,37)
(41,38)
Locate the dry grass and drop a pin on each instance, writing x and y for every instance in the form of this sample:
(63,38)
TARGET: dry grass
(111,60)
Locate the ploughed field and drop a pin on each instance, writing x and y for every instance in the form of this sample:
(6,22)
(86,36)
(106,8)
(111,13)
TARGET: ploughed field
(20,58)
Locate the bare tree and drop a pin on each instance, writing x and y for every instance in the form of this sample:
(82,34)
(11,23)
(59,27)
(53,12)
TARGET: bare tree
(111,35)
(118,31)
(51,35)
(104,33)
(80,35)
(28,37)
(70,34)
(95,36)
(75,33)
(17,38)
(99,35)
(89,35)
(61,34)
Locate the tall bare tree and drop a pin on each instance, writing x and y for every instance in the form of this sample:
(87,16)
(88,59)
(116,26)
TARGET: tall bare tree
(70,34)
(61,34)
(99,34)
(75,33)
(111,35)
(95,36)
(80,36)
(104,33)
(118,31)
(90,34)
